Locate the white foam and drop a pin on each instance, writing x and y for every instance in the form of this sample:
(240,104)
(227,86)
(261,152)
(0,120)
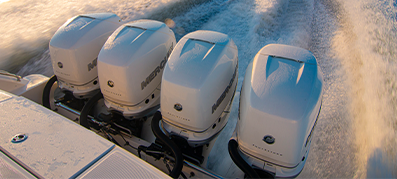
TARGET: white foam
(366,45)
(26,26)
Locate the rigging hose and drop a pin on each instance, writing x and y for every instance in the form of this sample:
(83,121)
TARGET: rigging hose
(47,90)
(87,107)
(239,161)
(176,171)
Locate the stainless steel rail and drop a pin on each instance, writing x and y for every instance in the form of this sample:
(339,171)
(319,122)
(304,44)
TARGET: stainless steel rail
(209,173)
(60,105)
(10,74)
(188,164)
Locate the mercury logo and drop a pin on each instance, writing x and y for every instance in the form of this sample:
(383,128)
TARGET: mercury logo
(269,139)
(110,83)
(178,107)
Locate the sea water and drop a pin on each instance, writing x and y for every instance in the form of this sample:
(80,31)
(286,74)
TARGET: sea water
(354,41)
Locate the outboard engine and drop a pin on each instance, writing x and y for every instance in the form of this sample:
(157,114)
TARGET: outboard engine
(130,67)
(74,49)
(198,86)
(279,107)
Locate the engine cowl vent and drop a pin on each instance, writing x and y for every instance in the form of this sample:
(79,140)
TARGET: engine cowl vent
(74,50)
(198,85)
(279,105)
(131,64)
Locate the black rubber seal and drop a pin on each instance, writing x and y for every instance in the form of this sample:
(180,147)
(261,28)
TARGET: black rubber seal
(47,90)
(87,108)
(176,171)
(239,161)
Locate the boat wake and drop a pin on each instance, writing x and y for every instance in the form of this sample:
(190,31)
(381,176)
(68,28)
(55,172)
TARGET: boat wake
(353,41)
(24,50)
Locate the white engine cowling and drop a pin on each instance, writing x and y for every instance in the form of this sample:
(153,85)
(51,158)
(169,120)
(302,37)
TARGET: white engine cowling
(279,105)
(74,49)
(130,66)
(198,86)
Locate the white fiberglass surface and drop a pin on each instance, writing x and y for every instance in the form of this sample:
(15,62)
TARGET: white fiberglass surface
(354,41)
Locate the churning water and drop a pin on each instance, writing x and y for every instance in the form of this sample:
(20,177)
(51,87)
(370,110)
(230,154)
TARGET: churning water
(355,42)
